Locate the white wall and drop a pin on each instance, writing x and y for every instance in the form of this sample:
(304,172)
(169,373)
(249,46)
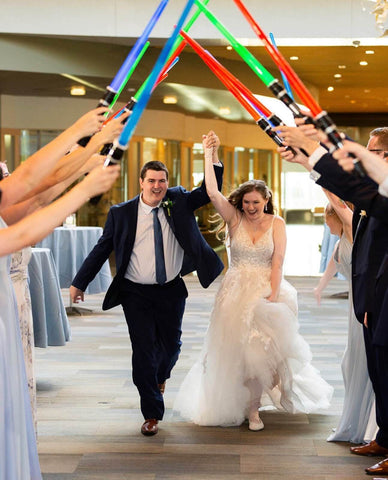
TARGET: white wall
(127,18)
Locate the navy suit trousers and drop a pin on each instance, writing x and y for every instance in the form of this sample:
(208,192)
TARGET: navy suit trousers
(377,359)
(154,318)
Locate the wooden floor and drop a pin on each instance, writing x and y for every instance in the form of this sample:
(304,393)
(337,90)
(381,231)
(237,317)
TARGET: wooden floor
(89,420)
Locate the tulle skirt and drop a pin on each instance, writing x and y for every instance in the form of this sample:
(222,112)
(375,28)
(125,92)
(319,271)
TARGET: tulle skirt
(250,339)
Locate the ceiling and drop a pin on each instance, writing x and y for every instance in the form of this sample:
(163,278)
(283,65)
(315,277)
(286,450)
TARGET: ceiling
(361,92)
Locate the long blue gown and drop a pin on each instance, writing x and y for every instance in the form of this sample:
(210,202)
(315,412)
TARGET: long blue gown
(18,451)
(359,397)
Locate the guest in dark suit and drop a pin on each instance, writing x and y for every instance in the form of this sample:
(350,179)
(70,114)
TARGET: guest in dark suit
(369,275)
(153,248)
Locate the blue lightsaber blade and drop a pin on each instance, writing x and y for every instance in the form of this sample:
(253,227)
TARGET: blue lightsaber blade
(118,149)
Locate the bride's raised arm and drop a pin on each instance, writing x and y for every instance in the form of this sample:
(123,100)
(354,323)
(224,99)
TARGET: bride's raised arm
(210,144)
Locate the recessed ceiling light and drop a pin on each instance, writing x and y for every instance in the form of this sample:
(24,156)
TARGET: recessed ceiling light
(294,57)
(352,101)
(367,90)
(369,52)
(363,63)
(224,110)
(77,90)
(170,99)
(337,75)
(341,67)
(330,89)
(229,47)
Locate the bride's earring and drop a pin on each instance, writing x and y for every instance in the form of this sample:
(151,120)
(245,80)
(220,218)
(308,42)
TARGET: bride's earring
(265,207)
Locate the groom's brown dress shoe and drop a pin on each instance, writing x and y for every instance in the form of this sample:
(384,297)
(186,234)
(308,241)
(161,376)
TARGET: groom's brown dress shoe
(150,427)
(380,468)
(371,449)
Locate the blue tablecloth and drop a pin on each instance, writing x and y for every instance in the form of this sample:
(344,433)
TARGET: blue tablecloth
(51,326)
(70,246)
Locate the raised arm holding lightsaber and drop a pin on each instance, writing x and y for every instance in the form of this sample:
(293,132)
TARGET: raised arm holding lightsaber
(321,118)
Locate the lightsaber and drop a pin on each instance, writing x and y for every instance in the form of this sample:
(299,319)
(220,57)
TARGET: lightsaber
(284,78)
(240,92)
(321,118)
(112,89)
(136,49)
(129,74)
(265,76)
(119,147)
(179,43)
(128,107)
(177,48)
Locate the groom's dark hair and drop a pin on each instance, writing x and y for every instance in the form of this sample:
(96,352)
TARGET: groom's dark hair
(154,165)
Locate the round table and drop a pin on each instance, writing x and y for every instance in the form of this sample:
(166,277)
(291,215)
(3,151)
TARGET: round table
(70,246)
(51,325)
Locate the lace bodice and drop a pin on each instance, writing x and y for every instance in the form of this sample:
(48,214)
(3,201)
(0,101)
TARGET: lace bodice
(245,253)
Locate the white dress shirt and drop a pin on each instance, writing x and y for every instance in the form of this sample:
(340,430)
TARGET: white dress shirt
(141,267)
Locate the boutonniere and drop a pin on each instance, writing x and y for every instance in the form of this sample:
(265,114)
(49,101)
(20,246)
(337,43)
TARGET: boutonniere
(168,204)
(363,213)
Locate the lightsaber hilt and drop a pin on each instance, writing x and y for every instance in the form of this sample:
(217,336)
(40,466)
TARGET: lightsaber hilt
(115,154)
(128,108)
(267,128)
(326,124)
(281,93)
(105,101)
(275,120)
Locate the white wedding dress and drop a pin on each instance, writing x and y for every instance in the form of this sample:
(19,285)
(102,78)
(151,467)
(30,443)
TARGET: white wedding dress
(250,339)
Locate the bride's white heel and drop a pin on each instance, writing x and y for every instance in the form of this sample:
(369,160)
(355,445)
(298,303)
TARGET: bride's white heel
(255,422)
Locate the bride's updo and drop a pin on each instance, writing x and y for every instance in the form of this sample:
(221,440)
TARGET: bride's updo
(236,197)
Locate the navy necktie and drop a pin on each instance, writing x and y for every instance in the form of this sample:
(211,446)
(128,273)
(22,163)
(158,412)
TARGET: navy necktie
(160,267)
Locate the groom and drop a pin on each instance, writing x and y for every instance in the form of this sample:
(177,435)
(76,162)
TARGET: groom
(156,240)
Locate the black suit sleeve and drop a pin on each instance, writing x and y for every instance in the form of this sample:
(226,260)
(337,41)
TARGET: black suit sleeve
(198,196)
(363,192)
(97,257)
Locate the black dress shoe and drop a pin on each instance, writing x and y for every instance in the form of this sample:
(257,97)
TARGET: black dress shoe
(150,427)
(371,449)
(380,468)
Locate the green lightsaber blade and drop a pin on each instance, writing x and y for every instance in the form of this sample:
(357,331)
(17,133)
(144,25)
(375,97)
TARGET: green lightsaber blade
(254,64)
(187,27)
(129,74)
(176,44)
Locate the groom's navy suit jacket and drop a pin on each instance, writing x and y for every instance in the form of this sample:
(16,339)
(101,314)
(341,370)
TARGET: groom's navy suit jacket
(370,243)
(120,232)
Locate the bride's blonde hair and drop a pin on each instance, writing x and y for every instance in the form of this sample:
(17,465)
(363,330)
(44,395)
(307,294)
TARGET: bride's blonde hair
(235,198)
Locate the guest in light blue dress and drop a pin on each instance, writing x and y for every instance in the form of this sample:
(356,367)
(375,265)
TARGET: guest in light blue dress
(357,422)
(18,450)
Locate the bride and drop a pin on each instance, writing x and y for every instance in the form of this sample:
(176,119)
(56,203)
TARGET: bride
(253,355)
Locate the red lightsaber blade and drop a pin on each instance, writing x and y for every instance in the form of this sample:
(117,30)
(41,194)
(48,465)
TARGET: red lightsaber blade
(239,91)
(321,118)
(282,63)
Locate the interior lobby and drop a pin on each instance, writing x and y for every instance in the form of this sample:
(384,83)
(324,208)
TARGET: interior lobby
(57,58)
(337,49)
